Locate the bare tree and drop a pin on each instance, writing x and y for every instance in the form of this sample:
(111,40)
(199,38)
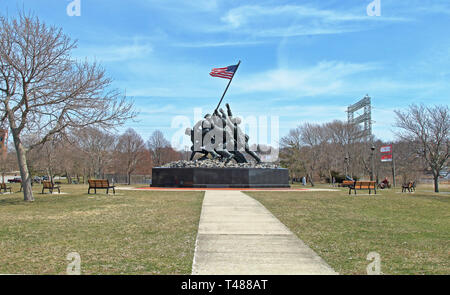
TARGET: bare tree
(311,137)
(428,129)
(98,147)
(409,164)
(45,155)
(8,163)
(158,145)
(130,149)
(44,91)
(324,149)
(290,153)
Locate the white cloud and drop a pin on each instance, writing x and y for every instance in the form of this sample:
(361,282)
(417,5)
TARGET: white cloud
(295,20)
(218,44)
(114,53)
(324,78)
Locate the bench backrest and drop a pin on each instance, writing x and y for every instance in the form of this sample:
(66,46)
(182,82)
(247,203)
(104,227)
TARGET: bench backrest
(98,183)
(365,184)
(47,184)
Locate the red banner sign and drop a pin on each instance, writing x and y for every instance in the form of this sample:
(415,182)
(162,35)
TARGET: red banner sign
(386,158)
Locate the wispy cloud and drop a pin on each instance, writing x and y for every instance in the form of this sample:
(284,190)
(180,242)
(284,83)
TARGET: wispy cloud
(325,77)
(296,20)
(114,53)
(218,44)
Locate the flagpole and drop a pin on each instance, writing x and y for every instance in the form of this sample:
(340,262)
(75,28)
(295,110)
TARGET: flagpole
(223,95)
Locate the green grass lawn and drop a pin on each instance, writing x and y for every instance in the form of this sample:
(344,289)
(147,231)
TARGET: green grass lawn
(133,232)
(148,232)
(411,232)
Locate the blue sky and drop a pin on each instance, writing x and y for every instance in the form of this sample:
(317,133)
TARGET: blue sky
(301,60)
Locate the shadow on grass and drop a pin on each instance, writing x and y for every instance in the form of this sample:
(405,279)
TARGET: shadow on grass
(429,196)
(11,201)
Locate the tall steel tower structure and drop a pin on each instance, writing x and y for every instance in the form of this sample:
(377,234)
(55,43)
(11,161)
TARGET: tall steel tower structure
(365,118)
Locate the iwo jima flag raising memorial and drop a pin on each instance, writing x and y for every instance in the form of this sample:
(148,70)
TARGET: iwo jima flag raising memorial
(223,147)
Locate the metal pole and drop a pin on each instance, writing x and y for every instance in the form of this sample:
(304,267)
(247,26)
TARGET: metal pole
(223,95)
(373,164)
(393,166)
(346,166)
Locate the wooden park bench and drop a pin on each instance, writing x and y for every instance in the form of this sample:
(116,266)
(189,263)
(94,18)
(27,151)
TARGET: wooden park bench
(347,183)
(50,186)
(100,184)
(4,187)
(410,186)
(359,185)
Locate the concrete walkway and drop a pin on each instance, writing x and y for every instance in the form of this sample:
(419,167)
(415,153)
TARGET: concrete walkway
(238,235)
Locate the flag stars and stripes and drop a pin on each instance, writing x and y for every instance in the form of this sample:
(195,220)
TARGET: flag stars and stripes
(226,72)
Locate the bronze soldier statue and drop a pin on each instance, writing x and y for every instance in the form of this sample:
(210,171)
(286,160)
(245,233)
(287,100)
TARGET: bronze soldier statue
(219,135)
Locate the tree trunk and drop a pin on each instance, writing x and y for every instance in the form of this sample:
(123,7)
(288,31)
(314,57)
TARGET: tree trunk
(69,178)
(24,173)
(129,178)
(310,179)
(49,174)
(436,182)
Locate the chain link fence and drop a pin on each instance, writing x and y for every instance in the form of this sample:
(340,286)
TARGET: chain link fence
(134,179)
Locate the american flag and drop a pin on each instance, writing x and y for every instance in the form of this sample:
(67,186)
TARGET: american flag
(386,149)
(226,72)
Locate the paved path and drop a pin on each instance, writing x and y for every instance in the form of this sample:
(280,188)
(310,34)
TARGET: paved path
(238,235)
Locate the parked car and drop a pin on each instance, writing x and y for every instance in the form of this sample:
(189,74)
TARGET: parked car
(15,179)
(37,179)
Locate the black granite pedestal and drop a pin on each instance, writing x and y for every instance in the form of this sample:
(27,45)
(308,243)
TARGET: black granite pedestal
(220,177)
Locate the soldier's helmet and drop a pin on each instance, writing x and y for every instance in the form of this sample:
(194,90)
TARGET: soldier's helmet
(236,120)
